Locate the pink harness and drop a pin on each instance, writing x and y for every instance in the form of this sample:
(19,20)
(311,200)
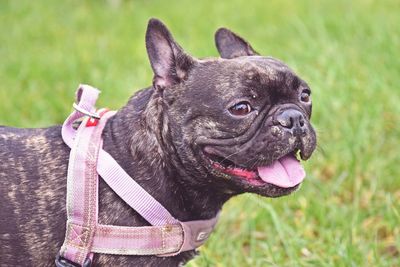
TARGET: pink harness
(84,235)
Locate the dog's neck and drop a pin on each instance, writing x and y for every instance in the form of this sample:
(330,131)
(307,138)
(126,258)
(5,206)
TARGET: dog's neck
(137,147)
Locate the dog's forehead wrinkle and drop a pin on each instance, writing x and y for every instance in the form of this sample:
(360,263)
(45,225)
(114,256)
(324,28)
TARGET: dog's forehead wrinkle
(246,76)
(210,60)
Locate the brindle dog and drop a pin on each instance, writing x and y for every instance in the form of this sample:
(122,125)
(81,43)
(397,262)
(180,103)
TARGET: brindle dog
(198,136)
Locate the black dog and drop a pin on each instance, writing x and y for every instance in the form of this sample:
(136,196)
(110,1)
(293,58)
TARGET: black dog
(203,133)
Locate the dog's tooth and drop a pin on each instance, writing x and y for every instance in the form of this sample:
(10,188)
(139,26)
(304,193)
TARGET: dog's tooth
(298,155)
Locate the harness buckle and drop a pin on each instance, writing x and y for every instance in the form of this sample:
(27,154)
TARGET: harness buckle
(63,262)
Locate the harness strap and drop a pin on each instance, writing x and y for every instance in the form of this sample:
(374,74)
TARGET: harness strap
(131,192)
(167,237)
(144,240)
(82,192)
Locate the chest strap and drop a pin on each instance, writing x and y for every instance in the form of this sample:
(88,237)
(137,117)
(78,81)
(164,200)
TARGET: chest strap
(84,236)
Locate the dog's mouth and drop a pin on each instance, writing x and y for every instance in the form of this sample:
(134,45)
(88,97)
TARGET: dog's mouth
(284,172)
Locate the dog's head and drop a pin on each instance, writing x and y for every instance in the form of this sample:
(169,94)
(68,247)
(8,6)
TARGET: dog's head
(238,123)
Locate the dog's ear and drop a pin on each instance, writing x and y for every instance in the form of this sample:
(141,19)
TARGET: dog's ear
(231,45)
(169,62)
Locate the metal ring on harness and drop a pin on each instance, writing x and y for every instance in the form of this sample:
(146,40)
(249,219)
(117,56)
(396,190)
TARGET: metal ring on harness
(62,262)
(84,111)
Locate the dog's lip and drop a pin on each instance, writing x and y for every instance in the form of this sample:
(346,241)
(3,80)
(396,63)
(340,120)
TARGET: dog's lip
(248,176)
(245,174)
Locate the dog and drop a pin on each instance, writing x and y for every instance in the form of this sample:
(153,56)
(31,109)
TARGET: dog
(205,131)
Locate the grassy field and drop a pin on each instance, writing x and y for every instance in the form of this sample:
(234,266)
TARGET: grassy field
(348,210)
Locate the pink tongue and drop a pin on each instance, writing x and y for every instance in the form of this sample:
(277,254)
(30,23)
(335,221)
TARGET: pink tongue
(284,172)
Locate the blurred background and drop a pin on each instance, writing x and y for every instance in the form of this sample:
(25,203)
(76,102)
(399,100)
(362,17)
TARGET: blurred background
(347,212)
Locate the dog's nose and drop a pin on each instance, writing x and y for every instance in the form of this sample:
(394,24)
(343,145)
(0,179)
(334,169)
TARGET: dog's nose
(292,120)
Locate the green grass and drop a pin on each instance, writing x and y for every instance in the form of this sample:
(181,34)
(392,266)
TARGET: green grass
(347,212)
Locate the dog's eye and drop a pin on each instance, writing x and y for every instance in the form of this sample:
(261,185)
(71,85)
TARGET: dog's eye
(305,95)
(240,109)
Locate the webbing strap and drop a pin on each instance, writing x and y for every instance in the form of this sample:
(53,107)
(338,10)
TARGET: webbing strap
(131,192)
(144,240)
(82,193)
